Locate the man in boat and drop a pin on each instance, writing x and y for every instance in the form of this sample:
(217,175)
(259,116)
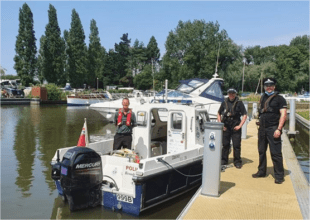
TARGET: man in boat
(272,116)
(229,113)
(125,120)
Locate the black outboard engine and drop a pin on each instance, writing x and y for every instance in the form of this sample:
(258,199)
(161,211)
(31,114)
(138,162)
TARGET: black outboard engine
(81,177)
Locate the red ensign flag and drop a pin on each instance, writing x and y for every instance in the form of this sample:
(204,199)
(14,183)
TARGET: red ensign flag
(83,140)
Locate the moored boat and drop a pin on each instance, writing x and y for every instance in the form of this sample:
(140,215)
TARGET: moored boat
(86,99)
(189,91)
(164,162)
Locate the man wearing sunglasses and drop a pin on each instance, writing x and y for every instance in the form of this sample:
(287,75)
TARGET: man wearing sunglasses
(272,116)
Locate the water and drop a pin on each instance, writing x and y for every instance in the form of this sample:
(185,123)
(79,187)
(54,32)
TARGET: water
(30,136)
(301,148)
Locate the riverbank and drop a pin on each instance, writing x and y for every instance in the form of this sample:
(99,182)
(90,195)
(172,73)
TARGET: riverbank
(35,101)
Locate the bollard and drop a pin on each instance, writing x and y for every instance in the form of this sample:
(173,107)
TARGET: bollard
(292,117)
(245,125)
(254,109)
(211,171)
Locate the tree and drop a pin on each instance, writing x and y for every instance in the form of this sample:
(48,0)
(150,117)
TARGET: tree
(76,49)
(152,50)
(136,59)
(52,48)
(95,54)
(122,54)
(25,47)
(192,48)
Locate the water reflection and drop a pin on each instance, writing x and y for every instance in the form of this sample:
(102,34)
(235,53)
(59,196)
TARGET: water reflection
(25,147)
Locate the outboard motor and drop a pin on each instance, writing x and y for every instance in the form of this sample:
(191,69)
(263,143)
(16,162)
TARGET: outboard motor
(80,177)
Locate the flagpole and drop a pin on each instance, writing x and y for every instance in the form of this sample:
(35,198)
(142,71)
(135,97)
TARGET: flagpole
(86,133)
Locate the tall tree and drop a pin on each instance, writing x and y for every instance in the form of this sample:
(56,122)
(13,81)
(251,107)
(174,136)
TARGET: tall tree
(25,47)
(122,54)
(52,52)
(152,50)
(95,53)
(77,58)
(136,59)
(192,48)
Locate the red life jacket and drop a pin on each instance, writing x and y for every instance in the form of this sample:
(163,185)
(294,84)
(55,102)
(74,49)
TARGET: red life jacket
(120,115)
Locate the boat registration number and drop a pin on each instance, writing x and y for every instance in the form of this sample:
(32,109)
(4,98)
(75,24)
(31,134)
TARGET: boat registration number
(124,198)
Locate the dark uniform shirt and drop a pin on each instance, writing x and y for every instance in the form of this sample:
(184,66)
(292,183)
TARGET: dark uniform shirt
(268,119)
(123,128)
(239,111)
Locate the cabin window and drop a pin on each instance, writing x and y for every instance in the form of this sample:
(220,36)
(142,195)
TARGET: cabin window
(142,118)
(176,121)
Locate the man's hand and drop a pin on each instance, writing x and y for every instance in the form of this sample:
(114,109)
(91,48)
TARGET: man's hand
(224,128)
(276,134)
(237,128)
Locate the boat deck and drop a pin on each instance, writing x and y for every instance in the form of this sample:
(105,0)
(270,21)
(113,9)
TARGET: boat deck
(244,197)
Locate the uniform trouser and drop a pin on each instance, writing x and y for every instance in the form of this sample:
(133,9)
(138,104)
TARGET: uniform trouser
(265,137)
(122,140)
(235,136)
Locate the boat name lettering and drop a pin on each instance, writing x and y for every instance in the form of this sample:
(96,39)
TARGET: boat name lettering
(87,165)
(131,168)
(175,157)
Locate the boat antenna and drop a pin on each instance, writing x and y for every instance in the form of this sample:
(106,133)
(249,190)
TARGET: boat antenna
(217,61)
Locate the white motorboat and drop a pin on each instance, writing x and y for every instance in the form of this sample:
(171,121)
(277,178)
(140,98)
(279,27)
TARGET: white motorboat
(164,162)
(189,91)
(86,99)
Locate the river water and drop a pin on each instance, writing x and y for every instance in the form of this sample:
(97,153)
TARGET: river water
(30,136)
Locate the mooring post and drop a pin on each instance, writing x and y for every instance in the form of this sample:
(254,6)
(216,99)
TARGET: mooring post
(211,171)
(245,125)
(254,110)
(292,116)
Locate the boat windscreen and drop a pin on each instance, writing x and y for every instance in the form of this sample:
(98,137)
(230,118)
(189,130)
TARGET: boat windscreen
(214,92)
(188,86)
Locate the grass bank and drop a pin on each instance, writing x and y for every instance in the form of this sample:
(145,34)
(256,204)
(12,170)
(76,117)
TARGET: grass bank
(304,114)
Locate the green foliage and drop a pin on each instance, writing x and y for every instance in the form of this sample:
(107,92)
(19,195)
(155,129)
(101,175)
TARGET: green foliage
(25,47)
(76,52)
(53,92)
(305,114)
(95,55)
(10,77)
(152,50)
(252,98)
(52,48)
(119,91)
(120,60)
(144,80)
(191,51)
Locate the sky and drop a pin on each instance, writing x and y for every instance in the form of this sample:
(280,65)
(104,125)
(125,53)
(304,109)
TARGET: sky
(248,23)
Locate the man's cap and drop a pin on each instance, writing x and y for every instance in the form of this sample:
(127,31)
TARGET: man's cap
(231,90)
(269,81)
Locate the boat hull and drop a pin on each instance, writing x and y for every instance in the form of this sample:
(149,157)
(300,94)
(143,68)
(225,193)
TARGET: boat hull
(153,190)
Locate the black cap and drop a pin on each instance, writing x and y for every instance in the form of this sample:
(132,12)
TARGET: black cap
(269,81)
(231,90)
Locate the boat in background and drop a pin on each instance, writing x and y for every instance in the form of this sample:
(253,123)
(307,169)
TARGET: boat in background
(86,99)
(189,91)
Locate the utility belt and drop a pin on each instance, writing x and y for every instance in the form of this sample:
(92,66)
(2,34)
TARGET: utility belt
(124,134)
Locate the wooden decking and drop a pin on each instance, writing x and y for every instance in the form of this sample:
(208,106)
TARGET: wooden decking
(244,197)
